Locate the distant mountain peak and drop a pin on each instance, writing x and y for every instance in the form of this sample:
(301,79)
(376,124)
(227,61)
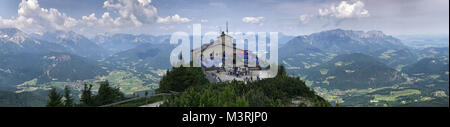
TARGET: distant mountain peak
(339,41)
(74,42)
(375,32)
(361,34)
(59,35)
(15,35)
(336,30)
(9,31)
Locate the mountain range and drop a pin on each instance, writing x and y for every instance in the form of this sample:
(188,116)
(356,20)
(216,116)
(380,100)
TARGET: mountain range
(121,42)
(359,68)
(24,58)
(15,41)
(75,43)
(335,42)
(337,64)
(354,71)
(19,68)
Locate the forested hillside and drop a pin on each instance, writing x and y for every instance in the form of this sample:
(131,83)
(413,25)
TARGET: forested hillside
(281,91)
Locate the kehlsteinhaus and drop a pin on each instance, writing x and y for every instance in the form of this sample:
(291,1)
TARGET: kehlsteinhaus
(221,61)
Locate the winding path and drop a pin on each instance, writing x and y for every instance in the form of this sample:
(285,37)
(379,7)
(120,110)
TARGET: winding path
(156,104)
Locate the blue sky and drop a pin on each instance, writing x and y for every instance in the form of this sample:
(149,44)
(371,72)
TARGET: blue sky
(294,17)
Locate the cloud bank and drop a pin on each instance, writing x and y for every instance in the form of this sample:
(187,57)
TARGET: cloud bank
(33,18)
(345,10)
(173,19)
(253,20)
(120,14)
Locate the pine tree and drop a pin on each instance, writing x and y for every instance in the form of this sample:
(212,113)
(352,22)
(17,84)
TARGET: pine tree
(107,94)
(86,95)
(69,100)
(104,94)
(146,99)
(55,99)
(281,71)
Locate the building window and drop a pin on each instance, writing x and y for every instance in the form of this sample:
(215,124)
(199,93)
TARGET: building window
(211,56)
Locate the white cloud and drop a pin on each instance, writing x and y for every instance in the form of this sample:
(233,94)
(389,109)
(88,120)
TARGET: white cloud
(304,18)
(32,18)
(132,12)
(336,14)
(173,19)
(345,10)
(6,22)
(253,20)
(144,2)
(120,14)
(104,21)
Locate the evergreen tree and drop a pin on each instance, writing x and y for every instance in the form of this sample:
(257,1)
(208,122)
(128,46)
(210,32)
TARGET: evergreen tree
(104,94)
(302,105)
(107,94)
(69,100)
(180,78)
(281,71)
(86,95)
(54,99)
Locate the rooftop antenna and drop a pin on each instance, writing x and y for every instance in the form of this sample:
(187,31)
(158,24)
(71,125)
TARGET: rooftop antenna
(227,27)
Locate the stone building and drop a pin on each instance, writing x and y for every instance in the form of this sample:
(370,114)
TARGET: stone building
(222,60)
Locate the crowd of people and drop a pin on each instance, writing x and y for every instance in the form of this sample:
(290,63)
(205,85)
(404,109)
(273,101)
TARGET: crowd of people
(236,73)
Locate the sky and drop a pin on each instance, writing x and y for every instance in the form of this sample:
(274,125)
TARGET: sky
(291,17)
